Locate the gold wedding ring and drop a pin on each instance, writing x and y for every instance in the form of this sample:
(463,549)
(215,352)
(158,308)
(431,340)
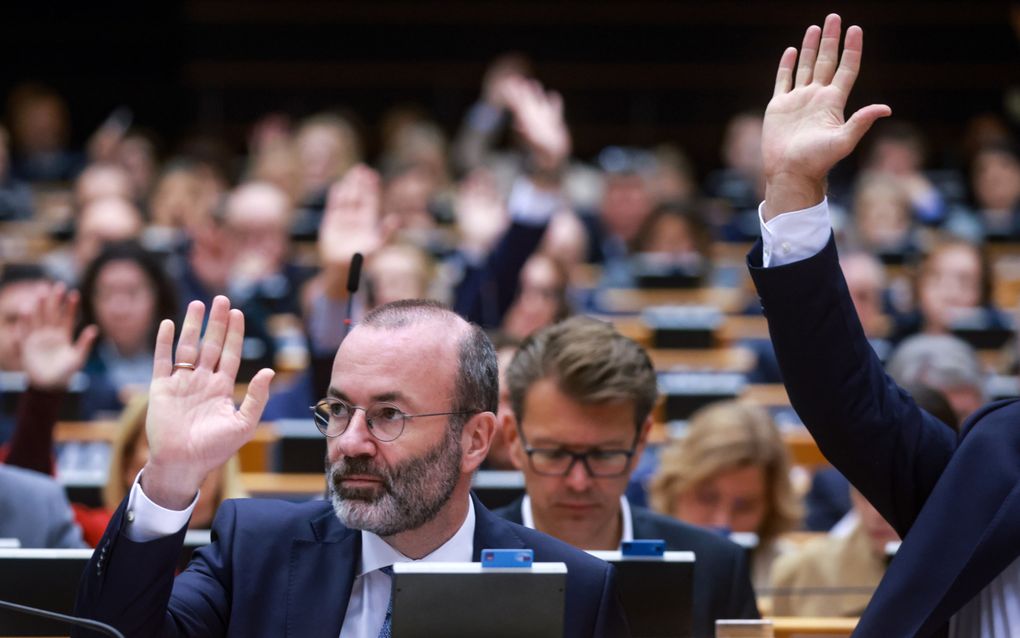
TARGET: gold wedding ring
(184,366)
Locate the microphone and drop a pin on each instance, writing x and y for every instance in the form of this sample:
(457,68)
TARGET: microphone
(353,280)
(87,623)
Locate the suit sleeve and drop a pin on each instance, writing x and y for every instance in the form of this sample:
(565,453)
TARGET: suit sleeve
(131,585)
(867,426)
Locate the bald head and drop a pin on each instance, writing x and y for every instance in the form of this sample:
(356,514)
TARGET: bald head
(258,204)
(102,181)
(104,221)
(477,372)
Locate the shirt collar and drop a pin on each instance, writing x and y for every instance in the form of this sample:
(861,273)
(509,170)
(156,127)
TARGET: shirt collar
(377,553)
(628,523)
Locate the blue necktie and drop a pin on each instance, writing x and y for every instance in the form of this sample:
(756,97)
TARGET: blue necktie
(387,628)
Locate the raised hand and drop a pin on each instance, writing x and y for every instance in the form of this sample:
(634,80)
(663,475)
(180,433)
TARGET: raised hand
(49,355)
(192,425)
(538,118)
(352,222)
(480,212)
(804,133)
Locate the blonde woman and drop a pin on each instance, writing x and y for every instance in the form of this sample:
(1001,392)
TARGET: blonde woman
(730,472)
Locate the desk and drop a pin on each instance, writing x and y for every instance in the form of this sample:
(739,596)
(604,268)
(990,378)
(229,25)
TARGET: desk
(787,626)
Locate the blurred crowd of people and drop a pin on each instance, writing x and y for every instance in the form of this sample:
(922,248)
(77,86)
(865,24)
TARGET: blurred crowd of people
(502,222)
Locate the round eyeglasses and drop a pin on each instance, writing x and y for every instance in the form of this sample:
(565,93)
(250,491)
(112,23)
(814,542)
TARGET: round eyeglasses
(385,420)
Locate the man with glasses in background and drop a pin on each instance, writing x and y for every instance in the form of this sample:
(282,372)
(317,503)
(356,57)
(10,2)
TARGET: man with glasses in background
(409,417)
(582,397)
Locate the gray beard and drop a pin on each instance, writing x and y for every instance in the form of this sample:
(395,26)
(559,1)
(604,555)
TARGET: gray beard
(411,495)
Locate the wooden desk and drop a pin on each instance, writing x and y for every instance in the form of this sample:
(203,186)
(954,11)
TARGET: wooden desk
(254,456)
(788,627)
(729,300)
(725,359)
(276,484)
(85,431)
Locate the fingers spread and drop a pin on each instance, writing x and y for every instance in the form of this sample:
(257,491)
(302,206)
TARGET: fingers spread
(828,51)
(861,121)
(162,361)
(808,53)
(187,347)
(256,397)
(215,332)
(784,76)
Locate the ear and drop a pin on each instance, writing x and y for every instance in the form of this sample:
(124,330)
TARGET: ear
(475,440)
(513,439)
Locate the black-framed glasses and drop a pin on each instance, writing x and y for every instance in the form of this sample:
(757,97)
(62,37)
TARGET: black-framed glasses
(385,420)
(559,461)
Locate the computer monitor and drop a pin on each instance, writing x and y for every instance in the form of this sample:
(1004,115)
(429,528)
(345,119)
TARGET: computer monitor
(496,488)
(44,578)
(657,592)
(466,600)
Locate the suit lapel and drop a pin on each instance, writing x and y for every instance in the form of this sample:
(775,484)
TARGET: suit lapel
(320,578)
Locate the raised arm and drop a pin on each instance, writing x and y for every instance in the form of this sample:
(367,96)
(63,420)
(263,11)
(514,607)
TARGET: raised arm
(866,426)
(50,357)
(192,424)
(804,133)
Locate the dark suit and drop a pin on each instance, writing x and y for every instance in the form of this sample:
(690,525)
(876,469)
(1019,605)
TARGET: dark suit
(954,500)
(276,568)
(722,580)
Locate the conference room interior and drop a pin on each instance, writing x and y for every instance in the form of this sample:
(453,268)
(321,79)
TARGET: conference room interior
(152,155)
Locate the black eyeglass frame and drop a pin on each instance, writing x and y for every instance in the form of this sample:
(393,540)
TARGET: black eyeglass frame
(578,456)
(368,421)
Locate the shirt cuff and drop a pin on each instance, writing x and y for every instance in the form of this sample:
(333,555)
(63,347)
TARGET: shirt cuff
(147,521)
(794,236)
(532,206)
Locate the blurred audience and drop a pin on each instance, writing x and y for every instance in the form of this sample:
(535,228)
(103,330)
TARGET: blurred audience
(126,294)
(731,473)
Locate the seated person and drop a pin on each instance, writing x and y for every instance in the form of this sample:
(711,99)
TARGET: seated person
(126,294)
(954,282)
(853,563)
(582,396)
(35,510)
(21,285)
(398,492)
(731,473)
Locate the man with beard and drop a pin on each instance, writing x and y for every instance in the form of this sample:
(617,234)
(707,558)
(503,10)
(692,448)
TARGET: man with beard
(409,416)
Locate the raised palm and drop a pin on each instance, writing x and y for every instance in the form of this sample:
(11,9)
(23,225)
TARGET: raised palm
(49,355)
(538,117)
(192,425)
(804,133)
(351,223)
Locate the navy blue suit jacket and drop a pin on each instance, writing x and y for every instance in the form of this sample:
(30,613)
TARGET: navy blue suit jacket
(276,568)
(955,499)
(722,578)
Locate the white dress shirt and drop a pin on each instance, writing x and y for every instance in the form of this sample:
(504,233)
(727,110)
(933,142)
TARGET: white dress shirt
(995,611)
(370,595)
(528,519)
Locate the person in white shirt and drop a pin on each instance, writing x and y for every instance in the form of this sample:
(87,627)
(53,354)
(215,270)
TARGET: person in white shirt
(409,416)
(955,500)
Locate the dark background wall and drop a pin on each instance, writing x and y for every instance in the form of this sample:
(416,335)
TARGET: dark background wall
(631,72)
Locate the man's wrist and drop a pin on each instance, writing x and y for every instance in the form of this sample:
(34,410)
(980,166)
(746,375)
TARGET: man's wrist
(786,192)
(168,489)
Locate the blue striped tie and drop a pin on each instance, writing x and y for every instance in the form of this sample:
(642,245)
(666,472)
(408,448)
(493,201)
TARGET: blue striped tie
(387,628)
